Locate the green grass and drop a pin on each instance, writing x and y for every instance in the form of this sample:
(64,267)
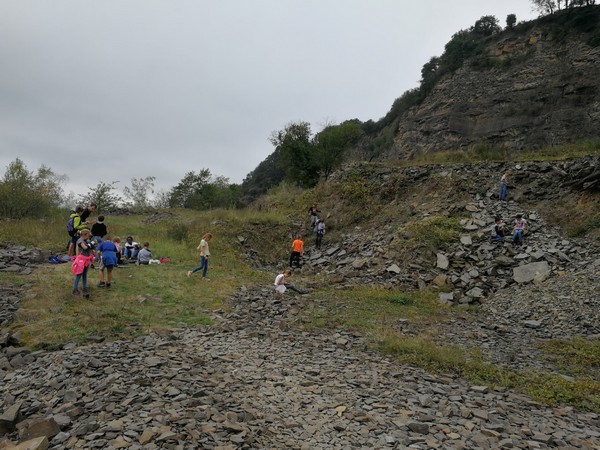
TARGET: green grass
(544,387)
(142,298)
(372,309)
(575,357)
(436,232)
(483,152)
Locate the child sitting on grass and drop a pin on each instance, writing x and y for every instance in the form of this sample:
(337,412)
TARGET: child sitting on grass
(117,242)
(144,256)
(107,252)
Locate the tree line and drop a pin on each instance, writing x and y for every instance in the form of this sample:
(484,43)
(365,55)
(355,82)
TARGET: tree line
(35,194)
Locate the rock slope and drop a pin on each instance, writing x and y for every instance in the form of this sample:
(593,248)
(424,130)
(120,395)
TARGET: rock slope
(255,382)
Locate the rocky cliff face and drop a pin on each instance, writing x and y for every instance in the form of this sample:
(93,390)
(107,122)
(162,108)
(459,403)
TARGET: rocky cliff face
(539,93)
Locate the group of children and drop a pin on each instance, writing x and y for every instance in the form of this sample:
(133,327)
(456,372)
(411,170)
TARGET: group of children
(108,253)
(520,228)
(318,226)
(88,246)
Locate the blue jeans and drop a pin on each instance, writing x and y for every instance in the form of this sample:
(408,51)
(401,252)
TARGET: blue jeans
(203,266)
(83,277)
(131,253)
(518,236)
(502,195)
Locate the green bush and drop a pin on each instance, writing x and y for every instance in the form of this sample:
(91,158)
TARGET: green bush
(436,232)
(178,232)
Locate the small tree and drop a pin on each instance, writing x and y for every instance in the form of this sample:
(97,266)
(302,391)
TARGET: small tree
(511,21)
(297,153)
(138,192)
(546,6)
(486,26)
(161,200)
(181,196)
(332,143)
(25,194)
(103,195)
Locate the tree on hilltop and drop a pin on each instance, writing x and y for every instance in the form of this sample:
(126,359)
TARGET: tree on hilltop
(551,6)
(298,154)
(333,141)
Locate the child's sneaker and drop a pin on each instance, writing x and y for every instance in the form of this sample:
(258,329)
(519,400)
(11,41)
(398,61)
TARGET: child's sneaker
(76,292)
(101,284)
(189,274)
(86,293)
(107,285)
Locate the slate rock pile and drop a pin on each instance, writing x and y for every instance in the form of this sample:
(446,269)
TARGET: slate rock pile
(475,266)
(19,259)
(253,381)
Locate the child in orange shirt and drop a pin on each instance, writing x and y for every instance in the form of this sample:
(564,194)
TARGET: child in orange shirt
(297,251)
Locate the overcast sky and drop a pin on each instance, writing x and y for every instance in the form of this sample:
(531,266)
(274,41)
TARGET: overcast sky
(114,89)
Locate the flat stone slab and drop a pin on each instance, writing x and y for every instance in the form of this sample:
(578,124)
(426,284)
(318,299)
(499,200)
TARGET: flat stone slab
(529,272)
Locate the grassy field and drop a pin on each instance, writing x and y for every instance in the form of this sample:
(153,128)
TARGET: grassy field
(142,298)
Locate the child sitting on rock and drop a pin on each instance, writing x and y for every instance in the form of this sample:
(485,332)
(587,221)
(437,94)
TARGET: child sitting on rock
(519,230)
(281,285)
(117,242)
(498,229)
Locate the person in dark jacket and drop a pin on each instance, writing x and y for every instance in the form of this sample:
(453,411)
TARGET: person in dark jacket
(99,230)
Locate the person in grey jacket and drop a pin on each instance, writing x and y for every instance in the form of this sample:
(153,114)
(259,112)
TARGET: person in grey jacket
(144,255)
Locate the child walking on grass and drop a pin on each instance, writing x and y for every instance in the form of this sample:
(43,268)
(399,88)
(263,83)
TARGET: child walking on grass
(204,254)
(85,254)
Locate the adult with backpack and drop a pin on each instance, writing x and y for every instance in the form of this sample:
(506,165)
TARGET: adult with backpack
(74,226)
(77,222)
